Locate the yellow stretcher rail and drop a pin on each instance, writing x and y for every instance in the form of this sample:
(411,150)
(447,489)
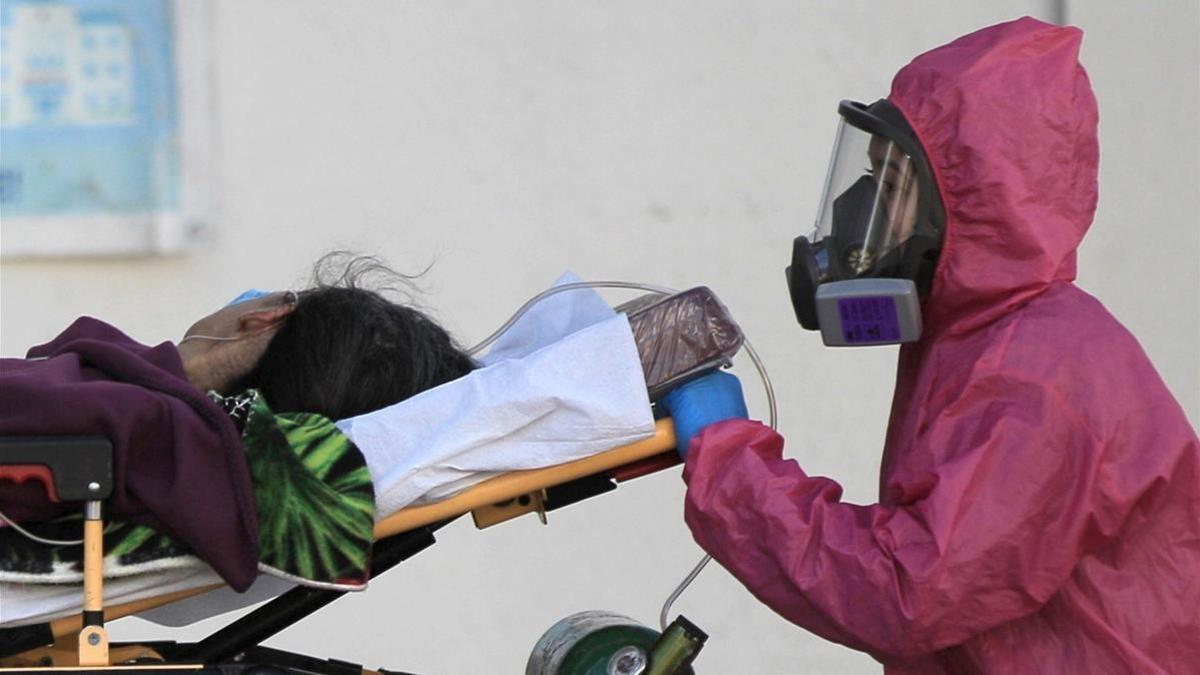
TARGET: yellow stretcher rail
(516,483)
(492,491)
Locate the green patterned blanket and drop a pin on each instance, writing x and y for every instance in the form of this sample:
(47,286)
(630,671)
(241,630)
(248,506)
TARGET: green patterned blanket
(316,511)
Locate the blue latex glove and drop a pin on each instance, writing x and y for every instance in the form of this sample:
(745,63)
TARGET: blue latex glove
(701,402)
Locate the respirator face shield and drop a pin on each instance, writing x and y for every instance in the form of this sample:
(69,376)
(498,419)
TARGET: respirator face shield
(879,226)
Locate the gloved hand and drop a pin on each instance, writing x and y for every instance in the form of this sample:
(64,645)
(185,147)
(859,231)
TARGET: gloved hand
(701,402)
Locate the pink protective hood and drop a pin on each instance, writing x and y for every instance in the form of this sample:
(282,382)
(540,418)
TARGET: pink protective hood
(1019,189)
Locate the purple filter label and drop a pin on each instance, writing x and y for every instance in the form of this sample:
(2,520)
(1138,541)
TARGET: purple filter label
(869,319)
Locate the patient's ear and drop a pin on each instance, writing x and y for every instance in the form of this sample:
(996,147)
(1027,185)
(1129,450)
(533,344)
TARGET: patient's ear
(264,319)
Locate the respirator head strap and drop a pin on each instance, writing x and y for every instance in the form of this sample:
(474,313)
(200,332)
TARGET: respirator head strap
(803,277)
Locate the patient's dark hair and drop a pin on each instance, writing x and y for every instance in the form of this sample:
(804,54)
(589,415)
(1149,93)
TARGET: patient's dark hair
(346,350)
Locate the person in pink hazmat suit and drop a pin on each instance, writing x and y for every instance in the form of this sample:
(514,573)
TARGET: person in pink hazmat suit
(1039,504)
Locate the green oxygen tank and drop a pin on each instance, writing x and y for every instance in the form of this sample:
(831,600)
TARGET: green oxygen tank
(605,643)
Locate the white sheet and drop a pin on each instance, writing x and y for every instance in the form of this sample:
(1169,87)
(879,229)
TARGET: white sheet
(564,382)
(23,604)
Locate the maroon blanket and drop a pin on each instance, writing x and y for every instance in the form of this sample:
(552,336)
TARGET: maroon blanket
(178,461)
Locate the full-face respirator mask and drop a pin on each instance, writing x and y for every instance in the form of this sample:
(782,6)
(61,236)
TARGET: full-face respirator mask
(859,276)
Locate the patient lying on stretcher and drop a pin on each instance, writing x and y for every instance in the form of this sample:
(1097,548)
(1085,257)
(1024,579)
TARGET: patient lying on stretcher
(335,349)
(416,450)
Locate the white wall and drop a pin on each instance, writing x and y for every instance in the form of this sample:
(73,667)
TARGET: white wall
(671,142)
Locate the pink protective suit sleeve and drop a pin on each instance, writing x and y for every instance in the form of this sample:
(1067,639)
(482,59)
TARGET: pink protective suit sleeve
(985,536)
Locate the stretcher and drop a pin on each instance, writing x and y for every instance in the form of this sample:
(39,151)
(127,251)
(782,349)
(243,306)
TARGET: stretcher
(78,469)
(677,337)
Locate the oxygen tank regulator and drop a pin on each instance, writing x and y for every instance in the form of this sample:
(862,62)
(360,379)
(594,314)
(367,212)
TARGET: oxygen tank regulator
(604,643)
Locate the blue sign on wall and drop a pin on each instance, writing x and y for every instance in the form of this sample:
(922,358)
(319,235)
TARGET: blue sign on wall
(88,108)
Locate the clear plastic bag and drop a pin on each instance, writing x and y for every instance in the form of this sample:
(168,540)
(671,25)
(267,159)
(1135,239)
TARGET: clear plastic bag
(681,336)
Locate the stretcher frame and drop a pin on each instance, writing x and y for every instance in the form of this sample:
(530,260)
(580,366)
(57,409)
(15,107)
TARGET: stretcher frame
(63,645)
